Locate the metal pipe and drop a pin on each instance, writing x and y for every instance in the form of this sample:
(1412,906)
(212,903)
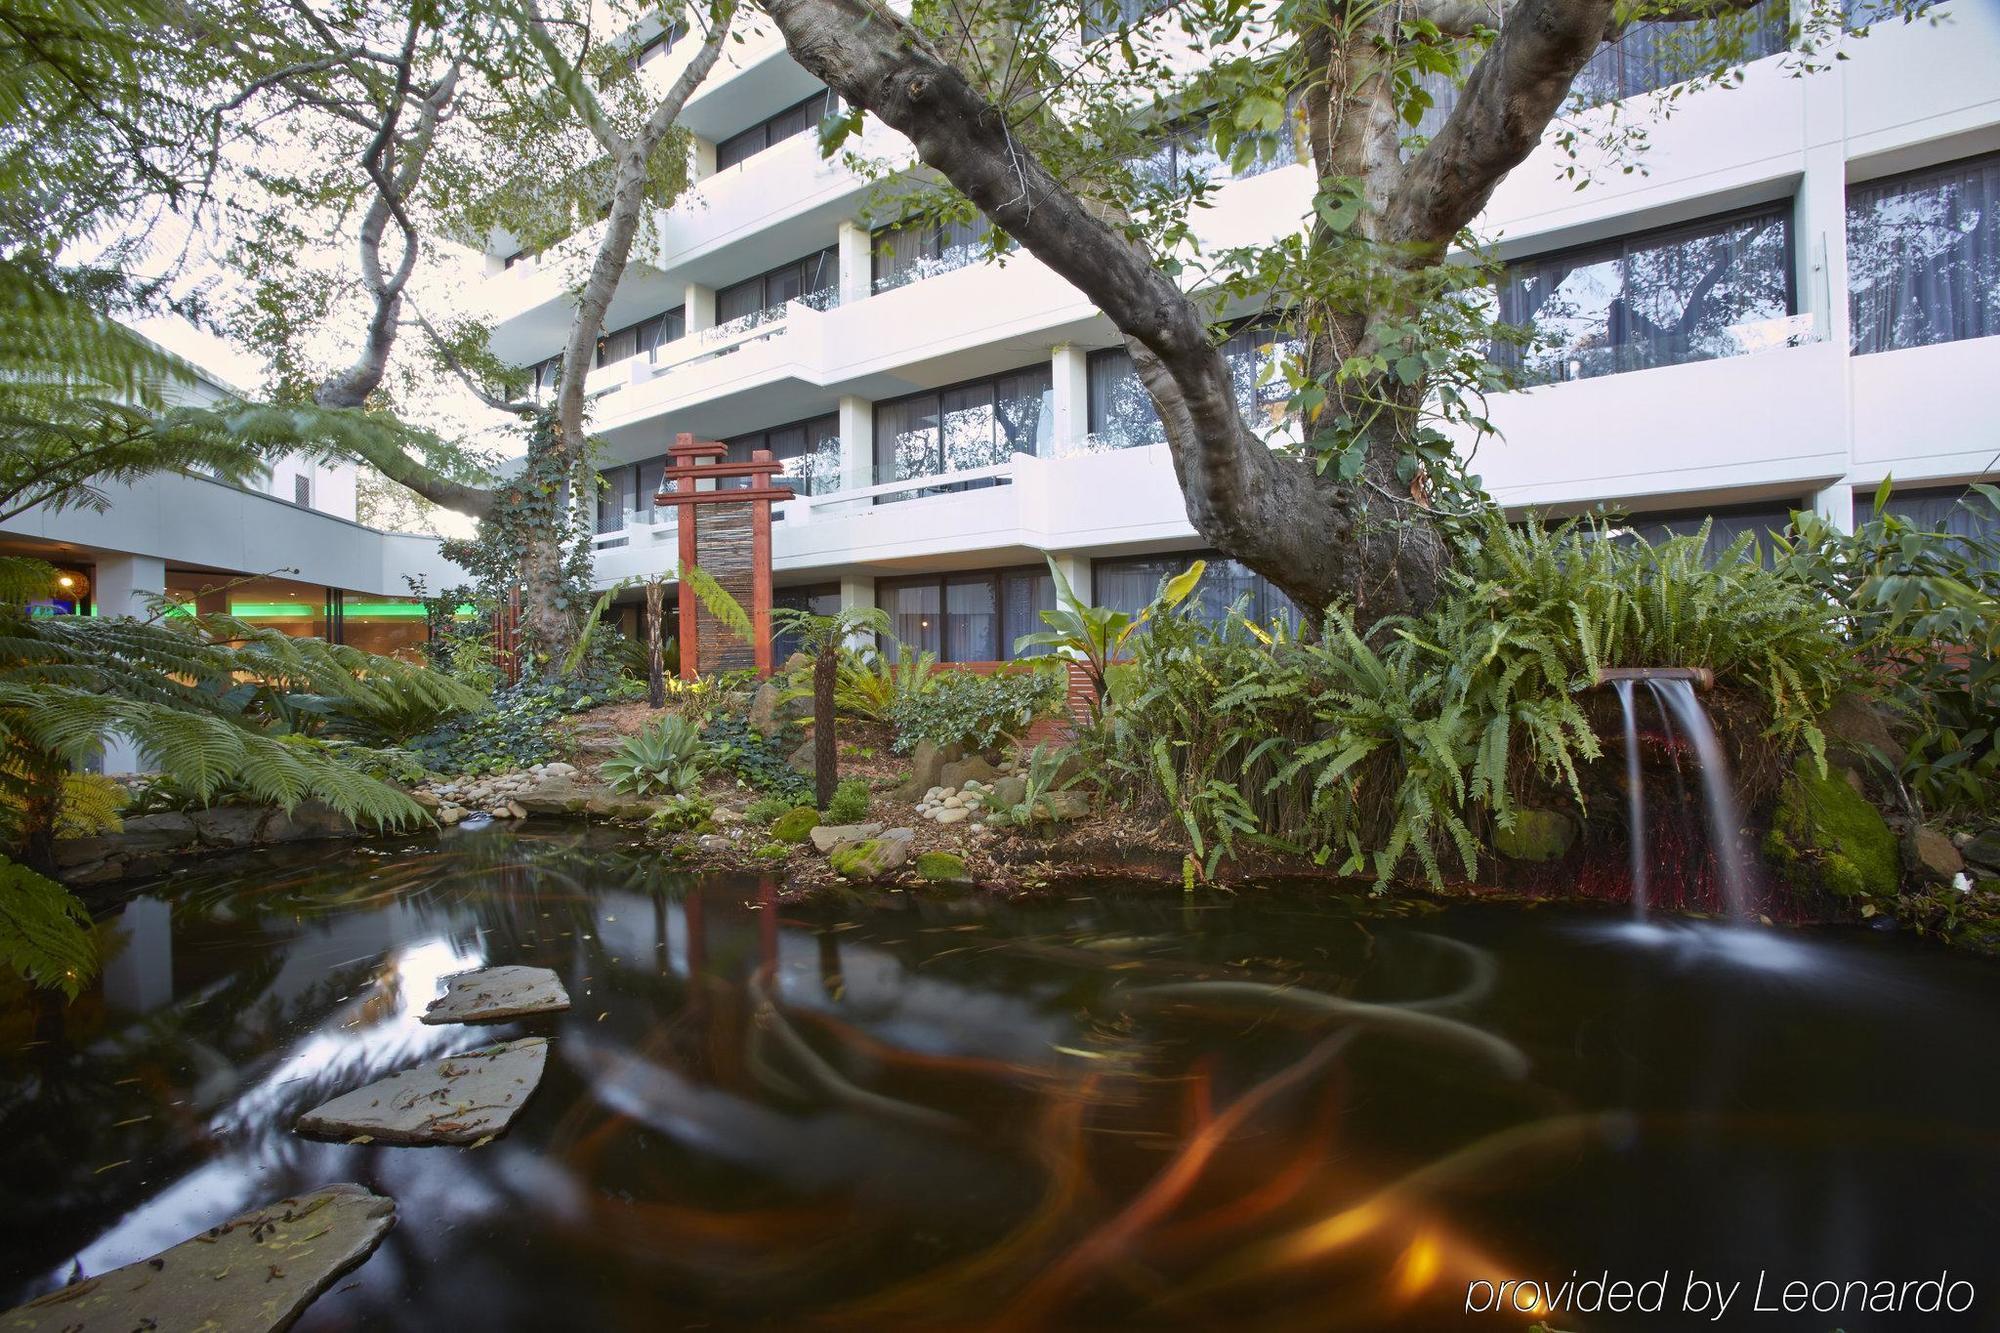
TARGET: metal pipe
(1702,678)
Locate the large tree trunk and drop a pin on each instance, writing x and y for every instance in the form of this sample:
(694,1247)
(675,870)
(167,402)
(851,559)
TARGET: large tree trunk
(826,750)
(656,648)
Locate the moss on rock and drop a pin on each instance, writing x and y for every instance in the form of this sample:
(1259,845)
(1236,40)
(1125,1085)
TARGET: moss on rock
(871,858)
(1537,835)
(1827,836)
(942,868)
(795,825)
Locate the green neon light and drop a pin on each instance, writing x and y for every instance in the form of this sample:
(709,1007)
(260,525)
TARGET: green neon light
(271,610)
(465,611)
(181,609)
(385,610)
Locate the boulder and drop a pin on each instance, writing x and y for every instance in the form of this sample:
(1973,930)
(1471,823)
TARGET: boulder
(826,837)
(459,1099)
(488,994)
(714,844)
(942,868)
(1983,851)
(927,763)
(795,825)
(556,794)
(1827,837)
(971,769)
(801,760)
(1067,805)
(1537,835)
(763,715)
(1854,727)
(950,814)
(229,825)
(515,810)
(1010,791)
(307,820)
(869,859)
(253,1273)
(1932,857)
(901,834)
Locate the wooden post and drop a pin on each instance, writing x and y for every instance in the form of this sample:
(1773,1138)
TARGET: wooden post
(760,567)
(689,463)
(690,613)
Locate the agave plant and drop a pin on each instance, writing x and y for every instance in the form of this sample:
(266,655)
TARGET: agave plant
(667,758)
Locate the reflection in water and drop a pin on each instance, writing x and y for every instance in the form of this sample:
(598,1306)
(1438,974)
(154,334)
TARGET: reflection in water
(1106,1110)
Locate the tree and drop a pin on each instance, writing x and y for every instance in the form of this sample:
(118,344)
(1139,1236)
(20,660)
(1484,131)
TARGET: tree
(821,638)
(425,122)
(1029,125)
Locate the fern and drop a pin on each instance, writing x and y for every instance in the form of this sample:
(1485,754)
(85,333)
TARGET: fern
(44,931)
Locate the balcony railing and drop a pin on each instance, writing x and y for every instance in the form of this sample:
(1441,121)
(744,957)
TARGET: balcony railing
(704,345)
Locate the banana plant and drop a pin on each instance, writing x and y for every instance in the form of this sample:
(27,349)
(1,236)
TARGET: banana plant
(1096,636)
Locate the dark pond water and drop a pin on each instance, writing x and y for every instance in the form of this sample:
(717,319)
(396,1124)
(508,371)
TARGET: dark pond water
(1121,1109)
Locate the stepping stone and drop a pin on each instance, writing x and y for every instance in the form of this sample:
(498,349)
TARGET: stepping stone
(490,994)
(256,1272)
(459,1099)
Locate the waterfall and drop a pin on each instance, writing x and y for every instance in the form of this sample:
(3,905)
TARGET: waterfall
(1635,801)
(1725,825)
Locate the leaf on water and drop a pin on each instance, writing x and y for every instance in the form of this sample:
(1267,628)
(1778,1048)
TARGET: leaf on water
(482,1141)
(1081,1055)
(361,1138)
(109,1166)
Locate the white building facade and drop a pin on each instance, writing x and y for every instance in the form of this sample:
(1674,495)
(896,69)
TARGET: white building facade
(1797,296)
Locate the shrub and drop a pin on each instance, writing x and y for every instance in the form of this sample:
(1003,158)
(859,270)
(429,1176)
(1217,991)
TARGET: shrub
(773,851)
(756,762)
(795,825)
(683,814)
(667,756)
(849,804)
(515,732)
(975,711)
(766,809)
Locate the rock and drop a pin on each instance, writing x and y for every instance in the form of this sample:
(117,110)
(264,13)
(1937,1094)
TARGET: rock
(557,768)
(902,834)
(1984,851)
(795,663)
(1068,805)
(515,810)
(795,825)
(943,868)
(826,837)
(1854,727)
(499,812)
(1010,791)
(927,763)
(1537,835)
(143,834)
(449,815)
(428,800)
(870,858)
(459,1099)
(801,760)
(1824,836)
(555,794)
(975,769)
(714,843)
(229,825)
(954,802)
(950,814)
(255,1272)
(763,715)
(488,994)
(1932,857)
(307,820)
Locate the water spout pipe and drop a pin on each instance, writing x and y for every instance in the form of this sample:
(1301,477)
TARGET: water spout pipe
(1701,678)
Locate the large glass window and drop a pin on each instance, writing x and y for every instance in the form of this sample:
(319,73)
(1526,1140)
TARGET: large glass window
(969,617)
(1653,55)
(918,250)
(1923,257)
(1761,521)
(1934,509)
(820,599)
(965,426)
(615,498)
(1710,289)
(1129,584)
(793,120)
(814,278)
(1101,18)
(386,626)
(810,451)
(1122,413)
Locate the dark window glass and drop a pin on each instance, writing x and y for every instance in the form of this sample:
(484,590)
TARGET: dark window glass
(1923,257)
(659,44)
(919,250)
(1654,55)
(1104,17)
(651,474)
(810,451)
(739,299)
(1935,509)
(814,279)
(967,617)
(614,498)
(1130,584)
(302,491)
(795,119)
(1710,289)
(965,426)
(821,599)
(1121,411)
(1724,526)
(616,347)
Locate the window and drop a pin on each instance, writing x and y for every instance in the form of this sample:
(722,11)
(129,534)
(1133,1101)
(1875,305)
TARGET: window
(658,45)
(1711,289)
(965,426)
(520,257)
(1923,257)
(919,250)
(302,490)
(1655,55)
(971,617)
(1936,509)
(1101,18)
(644,338)
(614,500)
(793,120)
(820,599)
(1121,411)
(814,279)
(543,377)
(1725,526)
(810,451)
(1130,584)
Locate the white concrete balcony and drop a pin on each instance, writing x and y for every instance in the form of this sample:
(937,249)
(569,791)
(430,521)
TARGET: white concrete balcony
(1926,412)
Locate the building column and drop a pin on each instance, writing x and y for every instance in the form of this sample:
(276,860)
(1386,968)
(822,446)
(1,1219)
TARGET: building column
(123,584)
(699,306)
(701,160)
(1069,365)
(857,262)
(857,593)
(1835,504)
(1076,569)
(857,442)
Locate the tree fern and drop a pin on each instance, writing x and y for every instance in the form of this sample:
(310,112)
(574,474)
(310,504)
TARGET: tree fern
(44,930)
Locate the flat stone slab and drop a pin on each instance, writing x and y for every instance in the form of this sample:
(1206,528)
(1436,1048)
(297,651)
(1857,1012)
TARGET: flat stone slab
(490,994)
(459,1099)
(254,1272)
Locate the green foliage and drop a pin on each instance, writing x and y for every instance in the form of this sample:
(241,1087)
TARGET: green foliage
(942,868)
(686,812)
(1923,608)
(767,809)
(668,756)
(1040,776)
(794,825)
(815,632)
(773,851)
(1827,835)
(44,931)
(1097,636)
(516,731)
(867,684)
(753,760)
(850,802)
(962,708)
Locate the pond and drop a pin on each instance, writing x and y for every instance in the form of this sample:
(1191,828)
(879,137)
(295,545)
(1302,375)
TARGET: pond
(1115,1107)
